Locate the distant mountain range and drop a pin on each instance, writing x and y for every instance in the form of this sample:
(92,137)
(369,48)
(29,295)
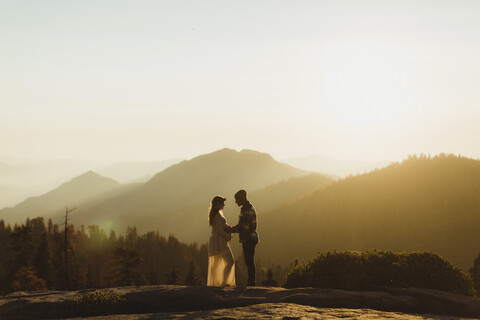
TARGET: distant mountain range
(28,178)
(422,203)
(33,178)
(335,167)
(176,199)
(71,194)
(20,178)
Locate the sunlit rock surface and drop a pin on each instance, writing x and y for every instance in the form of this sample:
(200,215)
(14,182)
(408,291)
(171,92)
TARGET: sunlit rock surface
(284,311)
(184,302)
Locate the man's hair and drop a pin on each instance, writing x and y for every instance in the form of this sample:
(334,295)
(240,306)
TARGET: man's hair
(241,194)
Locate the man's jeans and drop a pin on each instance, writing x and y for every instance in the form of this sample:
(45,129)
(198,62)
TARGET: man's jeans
(248,253)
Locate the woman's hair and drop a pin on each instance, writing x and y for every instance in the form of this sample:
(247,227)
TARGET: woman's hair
(217,201)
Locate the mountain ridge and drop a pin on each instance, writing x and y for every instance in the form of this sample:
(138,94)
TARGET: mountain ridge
(79,189)
(173,192)
(420,204)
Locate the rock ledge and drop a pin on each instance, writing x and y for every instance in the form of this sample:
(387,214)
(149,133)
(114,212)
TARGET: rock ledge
(169,301)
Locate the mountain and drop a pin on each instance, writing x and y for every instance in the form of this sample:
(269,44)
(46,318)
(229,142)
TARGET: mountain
(70,194)
(335,167)
(176,200)
(422,203)
(224,171)
(26,178)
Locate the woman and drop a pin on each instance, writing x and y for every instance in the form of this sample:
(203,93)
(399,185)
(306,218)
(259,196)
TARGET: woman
(221,265)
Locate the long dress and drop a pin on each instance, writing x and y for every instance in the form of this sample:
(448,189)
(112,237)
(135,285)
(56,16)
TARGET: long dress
(221,265)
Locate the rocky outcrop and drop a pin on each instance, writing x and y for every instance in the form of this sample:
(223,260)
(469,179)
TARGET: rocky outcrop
(283,311)
(169,302)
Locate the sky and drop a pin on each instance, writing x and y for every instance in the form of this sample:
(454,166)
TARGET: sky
(153,80)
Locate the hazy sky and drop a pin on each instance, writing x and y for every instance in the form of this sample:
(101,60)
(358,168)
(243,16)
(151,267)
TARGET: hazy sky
(151,80)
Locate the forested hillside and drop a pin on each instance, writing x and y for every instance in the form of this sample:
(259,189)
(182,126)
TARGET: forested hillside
(423,203)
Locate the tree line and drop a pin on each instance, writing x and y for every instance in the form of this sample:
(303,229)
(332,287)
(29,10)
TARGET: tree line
(44,256)
(38,256)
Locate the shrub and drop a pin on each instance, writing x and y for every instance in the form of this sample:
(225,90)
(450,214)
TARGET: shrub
(100,297)
(352,270)
(97,303)
(25,279)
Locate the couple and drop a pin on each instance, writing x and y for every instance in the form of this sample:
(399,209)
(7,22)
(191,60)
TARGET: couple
(221,264)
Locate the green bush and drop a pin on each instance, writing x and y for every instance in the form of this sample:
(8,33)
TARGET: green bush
(351,270)
(100,297)
(98,302)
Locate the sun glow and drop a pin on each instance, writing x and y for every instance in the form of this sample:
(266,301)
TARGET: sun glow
(364,85)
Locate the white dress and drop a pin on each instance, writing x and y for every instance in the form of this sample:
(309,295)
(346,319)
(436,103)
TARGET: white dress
(221,265)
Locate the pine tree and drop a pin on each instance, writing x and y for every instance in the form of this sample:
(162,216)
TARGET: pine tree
(270,282)
(4,236)
(43,261)
(2,281)
(192,278)
(131,237)
(152,276)
(50,227)
(91,283)
(172,276)
(57,258)
(124,265)
(69,258)
(475,274)
(20,249)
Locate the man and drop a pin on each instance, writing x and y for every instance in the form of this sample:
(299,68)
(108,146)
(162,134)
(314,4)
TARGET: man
(247,231)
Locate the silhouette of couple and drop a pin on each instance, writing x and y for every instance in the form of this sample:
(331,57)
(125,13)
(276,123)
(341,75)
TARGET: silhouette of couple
(221,264)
